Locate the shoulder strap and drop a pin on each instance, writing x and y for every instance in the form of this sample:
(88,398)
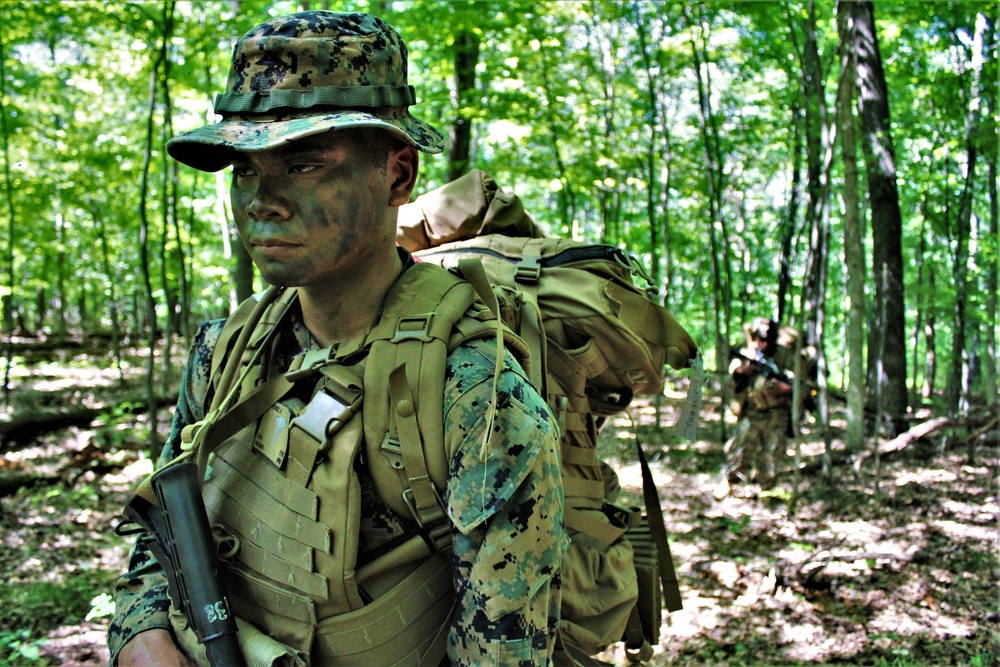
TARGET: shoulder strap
(428,313)
(201,439)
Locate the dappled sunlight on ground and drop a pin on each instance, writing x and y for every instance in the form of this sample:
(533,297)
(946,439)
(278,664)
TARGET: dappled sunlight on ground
(907,577)
(899,573)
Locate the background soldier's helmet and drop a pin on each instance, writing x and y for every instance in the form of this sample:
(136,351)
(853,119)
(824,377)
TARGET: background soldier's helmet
(304,74)
(762,331)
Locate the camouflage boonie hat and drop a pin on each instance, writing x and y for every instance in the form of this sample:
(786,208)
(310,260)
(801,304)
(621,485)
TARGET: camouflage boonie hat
(304,74)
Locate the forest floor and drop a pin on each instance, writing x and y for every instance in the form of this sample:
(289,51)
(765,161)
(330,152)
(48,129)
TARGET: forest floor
(894,565)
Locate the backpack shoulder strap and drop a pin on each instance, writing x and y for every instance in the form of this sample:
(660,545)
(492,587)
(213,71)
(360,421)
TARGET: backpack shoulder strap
(428,313)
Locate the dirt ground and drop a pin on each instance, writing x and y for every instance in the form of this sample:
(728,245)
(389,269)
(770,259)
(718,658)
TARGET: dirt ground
(894,566)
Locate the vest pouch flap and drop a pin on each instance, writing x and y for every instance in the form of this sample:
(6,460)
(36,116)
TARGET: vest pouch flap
(271,439)
(286,617)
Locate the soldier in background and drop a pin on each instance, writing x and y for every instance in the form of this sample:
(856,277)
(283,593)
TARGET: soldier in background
(763,379)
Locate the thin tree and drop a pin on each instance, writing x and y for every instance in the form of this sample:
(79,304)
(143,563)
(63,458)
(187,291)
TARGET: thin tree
(168,208)
(789,225)
(8,302)
(113,315)
(819,140)
(466,57)
(958,388)
(603,44)
(144,263)
(990,77)
(652,203)
(565,195)
(714,178)
(854,252)
(886,344)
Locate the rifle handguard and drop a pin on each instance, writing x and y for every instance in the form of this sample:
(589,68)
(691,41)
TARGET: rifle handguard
(185,549)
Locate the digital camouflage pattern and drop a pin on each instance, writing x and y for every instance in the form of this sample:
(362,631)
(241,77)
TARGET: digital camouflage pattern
(516,489)
(505,563)
(307,73)
(758,450)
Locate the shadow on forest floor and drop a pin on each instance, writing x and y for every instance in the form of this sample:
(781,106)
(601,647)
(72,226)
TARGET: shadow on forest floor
(899,570)
(898,573)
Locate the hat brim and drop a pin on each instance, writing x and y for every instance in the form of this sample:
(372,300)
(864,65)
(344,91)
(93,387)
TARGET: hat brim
(211,148)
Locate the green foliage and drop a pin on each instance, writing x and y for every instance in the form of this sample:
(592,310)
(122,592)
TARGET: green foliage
(102,606)
(590,111)
(735,526)
(36,608)
(17,648)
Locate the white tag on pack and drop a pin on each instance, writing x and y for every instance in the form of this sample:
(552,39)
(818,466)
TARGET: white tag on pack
(686,427)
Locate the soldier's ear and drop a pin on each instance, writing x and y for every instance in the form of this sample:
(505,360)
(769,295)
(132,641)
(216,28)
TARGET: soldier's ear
(401,169)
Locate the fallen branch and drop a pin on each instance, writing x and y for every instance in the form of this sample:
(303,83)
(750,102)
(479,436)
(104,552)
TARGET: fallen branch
(904,440)
(23,428)
(920,430)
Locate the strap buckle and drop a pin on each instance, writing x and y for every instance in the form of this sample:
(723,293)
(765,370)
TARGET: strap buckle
(311,362)
(435,529)
(528,270)
(414,327)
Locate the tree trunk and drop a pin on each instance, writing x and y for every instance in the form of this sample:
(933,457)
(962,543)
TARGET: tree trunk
(920,306)
(144,242)
(565,197)
(959,380)
(722,300)
(656,270)
(989,129)
(8,301)
(112,296)
(466,59)
(818,163)
(168,199)
(788,227)
(60,301)
(608,190)
(854,251)
(886,347)
(241,271)
(930,346)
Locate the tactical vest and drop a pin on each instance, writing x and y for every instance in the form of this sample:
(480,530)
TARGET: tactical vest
(282,490)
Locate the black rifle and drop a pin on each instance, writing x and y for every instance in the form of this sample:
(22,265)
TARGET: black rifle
(770,370)
(762,365)
(185,549)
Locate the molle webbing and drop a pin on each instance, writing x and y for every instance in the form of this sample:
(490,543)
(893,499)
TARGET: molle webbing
(275,539)
(278,456)
(402,628)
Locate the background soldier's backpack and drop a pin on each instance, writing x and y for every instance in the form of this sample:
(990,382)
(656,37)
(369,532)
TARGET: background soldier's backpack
(595,339)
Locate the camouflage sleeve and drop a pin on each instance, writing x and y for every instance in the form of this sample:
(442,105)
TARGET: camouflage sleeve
(507,506)
(141,601)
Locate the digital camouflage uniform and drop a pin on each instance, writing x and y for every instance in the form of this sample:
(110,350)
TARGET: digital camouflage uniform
(297,75)
(523,600)
(758,450)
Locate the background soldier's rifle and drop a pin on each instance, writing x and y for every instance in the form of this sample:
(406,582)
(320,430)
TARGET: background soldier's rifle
(770,370)
(185,549)
(762,365)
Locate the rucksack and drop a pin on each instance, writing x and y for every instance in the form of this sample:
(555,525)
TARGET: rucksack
(595,339)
